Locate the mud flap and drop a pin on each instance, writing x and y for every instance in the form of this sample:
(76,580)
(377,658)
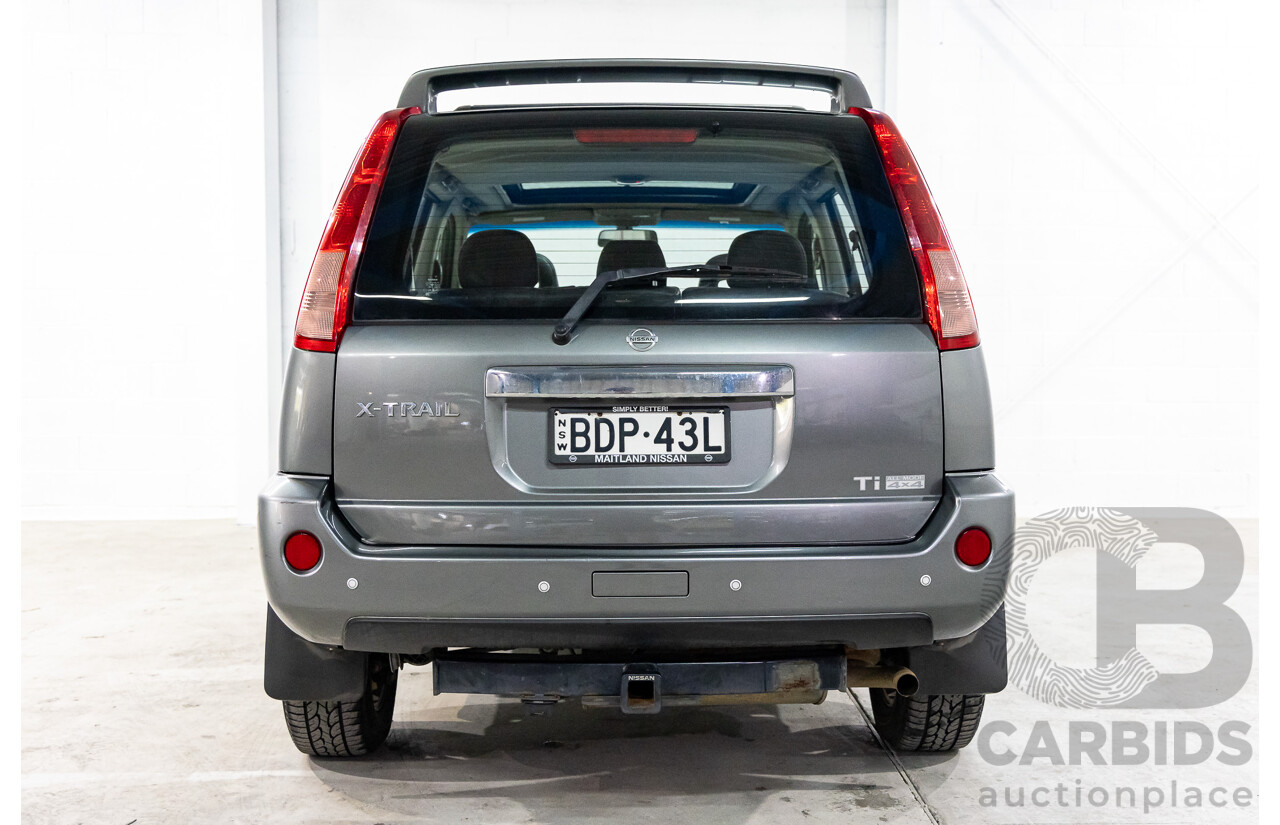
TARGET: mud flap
(976,663)
(304,671)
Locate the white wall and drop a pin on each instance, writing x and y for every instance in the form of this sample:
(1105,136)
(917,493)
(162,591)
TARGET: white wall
(1091,158)
(143,286)
(1097,167)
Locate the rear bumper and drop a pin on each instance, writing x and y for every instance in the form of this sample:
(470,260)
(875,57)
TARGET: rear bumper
(409,599)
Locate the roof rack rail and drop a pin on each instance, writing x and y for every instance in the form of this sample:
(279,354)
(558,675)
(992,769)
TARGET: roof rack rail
(845,88)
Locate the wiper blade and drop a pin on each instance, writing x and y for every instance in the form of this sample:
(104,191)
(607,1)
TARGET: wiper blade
(563,331)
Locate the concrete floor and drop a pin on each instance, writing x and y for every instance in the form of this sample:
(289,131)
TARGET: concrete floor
(142,703)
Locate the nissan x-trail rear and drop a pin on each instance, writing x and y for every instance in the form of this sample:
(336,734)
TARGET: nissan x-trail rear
(637,406)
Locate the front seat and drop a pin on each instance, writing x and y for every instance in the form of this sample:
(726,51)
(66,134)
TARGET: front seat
(715,260)
(632,255)
(497,258)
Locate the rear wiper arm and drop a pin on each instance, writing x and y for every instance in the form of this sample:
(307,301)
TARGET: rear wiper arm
(563,331)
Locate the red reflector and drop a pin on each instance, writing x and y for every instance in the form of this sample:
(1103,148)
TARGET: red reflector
(302,551)
(973,546)
(636,135)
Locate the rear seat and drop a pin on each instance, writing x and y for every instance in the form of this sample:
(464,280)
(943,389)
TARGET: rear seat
(767,249)
(632,255)
(761,249)
(497,258)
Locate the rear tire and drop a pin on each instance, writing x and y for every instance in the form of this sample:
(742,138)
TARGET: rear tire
(352,728)
(938,722)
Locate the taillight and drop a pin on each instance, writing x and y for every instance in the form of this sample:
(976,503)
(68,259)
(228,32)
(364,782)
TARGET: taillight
(325,307)
(302,551)
(948,307)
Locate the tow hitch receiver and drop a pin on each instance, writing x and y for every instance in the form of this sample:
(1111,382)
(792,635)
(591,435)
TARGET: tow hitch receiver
(641,690)
(659,681)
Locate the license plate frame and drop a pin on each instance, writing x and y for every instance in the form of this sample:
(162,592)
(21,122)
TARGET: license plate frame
(673,412)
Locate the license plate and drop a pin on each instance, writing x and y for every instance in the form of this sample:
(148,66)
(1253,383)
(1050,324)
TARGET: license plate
(628,435)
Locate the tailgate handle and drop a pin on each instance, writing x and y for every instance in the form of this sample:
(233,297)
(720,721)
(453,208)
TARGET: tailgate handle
(647,382)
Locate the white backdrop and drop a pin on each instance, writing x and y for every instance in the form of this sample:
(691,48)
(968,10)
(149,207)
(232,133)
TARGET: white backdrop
(1095,162)
(144,302)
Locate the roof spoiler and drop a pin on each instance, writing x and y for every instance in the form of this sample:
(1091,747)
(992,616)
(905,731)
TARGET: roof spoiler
(845,88)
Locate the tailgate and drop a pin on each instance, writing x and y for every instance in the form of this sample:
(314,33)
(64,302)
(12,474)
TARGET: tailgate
(443,435)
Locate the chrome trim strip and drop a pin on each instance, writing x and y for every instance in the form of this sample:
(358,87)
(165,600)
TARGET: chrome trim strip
(639,382)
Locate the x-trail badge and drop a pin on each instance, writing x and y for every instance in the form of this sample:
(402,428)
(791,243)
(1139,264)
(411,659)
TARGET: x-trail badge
(642,340)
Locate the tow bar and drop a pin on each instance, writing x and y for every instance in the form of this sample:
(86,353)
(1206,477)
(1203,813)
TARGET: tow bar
(643,687)
(641,690)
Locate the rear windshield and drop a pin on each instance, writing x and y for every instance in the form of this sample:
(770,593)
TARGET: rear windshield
(509,216)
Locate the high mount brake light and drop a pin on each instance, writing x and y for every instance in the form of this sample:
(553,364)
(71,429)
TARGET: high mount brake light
(325,307)
(635,135)
(948,307)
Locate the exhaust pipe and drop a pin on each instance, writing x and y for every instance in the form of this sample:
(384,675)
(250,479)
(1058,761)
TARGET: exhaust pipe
(902,679)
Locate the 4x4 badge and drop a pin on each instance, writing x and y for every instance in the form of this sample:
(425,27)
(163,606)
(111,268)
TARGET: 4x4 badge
(642,340)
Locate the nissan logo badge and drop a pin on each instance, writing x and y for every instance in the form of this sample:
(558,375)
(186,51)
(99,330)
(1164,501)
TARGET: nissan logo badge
(642,340)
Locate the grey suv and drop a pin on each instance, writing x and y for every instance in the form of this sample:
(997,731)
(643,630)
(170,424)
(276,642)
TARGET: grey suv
(637,406)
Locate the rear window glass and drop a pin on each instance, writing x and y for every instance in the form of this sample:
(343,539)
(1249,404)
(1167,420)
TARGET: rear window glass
(773,217)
